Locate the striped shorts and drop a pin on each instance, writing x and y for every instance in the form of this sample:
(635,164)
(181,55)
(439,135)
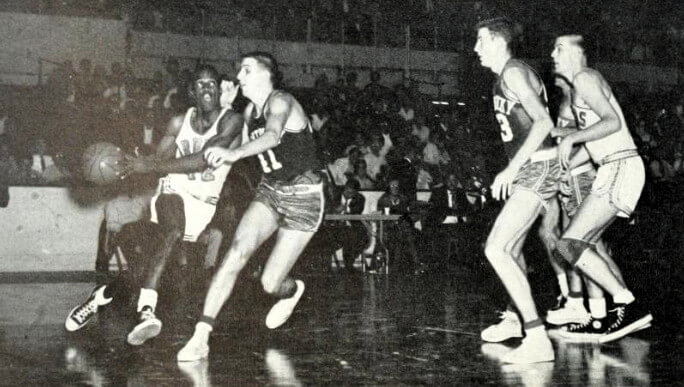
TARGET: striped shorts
(296,206)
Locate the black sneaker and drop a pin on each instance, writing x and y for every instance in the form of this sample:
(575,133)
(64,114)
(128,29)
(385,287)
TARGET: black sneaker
(589,331)
(83,313)
(624,319)
(148,327)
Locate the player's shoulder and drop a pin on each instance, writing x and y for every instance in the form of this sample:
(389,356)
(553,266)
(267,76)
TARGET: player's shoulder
(231,118)
(176,122)
(587,75)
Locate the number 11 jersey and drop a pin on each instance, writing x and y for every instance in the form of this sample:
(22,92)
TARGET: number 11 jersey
(294,154)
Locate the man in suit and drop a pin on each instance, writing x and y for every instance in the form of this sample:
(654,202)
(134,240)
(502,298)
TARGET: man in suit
(352,237)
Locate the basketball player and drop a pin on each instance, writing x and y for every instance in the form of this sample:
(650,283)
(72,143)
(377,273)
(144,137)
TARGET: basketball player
(186,196)
(531,177)
(615,190)
(289,198)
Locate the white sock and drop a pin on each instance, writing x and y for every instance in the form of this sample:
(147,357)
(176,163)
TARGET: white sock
(100,298)
(575,303)
(623,297)
(203,328)
(563,284)
(597,307)
(148,297)
(536,332)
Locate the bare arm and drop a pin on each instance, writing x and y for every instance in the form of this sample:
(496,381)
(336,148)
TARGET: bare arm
(580,157)
(588,88)
(517,81)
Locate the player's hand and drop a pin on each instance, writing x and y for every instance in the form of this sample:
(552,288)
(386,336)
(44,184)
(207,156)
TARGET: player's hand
(217,156)
(564,184)
(502,186)
(564,151)
(558,132)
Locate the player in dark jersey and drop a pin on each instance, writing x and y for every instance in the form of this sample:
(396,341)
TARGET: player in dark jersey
(531,178)
(289,198)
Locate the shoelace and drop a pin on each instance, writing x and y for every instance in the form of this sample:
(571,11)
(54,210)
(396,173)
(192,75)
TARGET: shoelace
(507,316)
(84,311)
(620,312)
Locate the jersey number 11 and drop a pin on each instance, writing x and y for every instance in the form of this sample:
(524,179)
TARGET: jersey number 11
(274,164)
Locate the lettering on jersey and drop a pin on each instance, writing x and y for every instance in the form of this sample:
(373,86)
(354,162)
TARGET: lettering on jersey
(582,118)
(503,105)
(267,159)
(197,145)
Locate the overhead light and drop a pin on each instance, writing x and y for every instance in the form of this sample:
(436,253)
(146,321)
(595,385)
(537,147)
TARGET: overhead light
(460,103)
(440,103)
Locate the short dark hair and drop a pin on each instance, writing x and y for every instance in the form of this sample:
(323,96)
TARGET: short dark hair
(587,45)
(504,27)
(353,184)
(269,62)
(205,68)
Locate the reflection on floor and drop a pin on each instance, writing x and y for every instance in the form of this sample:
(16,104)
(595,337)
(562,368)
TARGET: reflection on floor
(348,330)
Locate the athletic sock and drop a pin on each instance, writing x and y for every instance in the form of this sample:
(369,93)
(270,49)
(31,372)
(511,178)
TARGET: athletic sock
(148,297)
(100,297)
(623,297)
(203,327)
(575,300)
(597,307)
(563,284)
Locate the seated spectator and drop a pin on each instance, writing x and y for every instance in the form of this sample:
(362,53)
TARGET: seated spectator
(449,201)
(344,166)
(44,165)
(352,237)
(361,175)
(380,144)
(400,236)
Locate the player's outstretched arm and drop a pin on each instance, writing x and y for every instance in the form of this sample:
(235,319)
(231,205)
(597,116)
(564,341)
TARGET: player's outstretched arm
(279,108)
(581,157)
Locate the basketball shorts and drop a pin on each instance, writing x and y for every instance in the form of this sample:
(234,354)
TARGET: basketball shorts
(621,178)
(198,213)
(540,177)
(295,206)
(577,188)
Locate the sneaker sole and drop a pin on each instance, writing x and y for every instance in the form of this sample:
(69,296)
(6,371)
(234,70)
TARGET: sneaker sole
(143,332)
(638,325)
(294,300)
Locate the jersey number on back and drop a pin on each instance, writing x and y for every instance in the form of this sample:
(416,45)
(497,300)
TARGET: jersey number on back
(506,132)
(274,164)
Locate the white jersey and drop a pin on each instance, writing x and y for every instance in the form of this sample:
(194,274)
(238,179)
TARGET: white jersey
(205,186)
(618,141)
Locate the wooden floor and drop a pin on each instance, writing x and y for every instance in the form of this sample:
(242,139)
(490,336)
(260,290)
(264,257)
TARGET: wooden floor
(348,330)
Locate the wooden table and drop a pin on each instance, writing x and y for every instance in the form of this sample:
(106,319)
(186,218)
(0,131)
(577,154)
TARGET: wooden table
(380,218)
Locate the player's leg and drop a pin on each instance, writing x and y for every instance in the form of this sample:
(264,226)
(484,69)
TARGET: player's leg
(515,219)
(171,219)
(257,224)
(549,234)
(578,247)
(126,244)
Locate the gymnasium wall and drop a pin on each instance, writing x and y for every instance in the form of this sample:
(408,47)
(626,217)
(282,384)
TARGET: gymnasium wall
(53,229)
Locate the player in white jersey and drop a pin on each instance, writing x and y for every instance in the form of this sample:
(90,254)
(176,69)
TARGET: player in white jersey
(186,197)
(615,191)
(574,189)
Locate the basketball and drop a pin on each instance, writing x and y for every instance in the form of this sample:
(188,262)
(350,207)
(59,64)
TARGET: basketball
(102,163)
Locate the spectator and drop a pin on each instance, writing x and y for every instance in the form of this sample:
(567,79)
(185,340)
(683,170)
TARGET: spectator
(361,175)
(344,166)
(352,237)
(380,144)
(400,237)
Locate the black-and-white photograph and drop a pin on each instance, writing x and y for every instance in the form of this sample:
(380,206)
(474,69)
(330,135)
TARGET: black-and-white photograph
(341,192)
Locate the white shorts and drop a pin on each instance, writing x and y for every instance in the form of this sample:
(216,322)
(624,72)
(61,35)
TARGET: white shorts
(622,181)
(198,214)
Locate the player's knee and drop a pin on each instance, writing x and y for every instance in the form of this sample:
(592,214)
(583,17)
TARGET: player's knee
(493,251)
(571,249)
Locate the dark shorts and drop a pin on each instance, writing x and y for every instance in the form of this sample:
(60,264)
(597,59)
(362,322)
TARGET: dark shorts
(541,178)
(577,188)
(296,206)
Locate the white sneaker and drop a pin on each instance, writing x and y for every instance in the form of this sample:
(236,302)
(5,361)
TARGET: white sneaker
(534,349)
(194,350)
(148,327)
(567,315)
(509,327)
(282,310)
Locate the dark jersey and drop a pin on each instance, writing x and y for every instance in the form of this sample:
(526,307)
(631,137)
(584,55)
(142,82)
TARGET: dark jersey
(294,155)
(513,120)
